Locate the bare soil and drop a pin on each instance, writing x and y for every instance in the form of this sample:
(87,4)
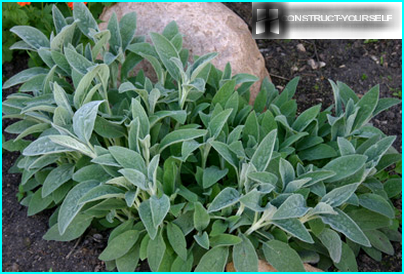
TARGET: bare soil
(360,65)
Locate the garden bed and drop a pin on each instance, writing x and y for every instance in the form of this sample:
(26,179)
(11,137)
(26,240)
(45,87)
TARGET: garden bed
(358,64)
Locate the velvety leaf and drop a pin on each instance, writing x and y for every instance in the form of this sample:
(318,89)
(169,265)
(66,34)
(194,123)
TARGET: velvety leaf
(306,118)
(263,154)
(318,152)
(24,76)
(282,257)
(155,252)
(78,62)
(139,112)
(345,166)
(340,195)
(201,217)
(380,241)
(90,172)
(286,171)
(293,207)
(376,151)
(180,135)
(129,261)
(128,158)
(180,265)
(217,123)
(70,206)
(145,215)
(102,192)
(76,228)
(332,241)
(385,103)
(31,36)
(224,93)
(37,203)
(245,258)
(345,147)
(377,204)
(166,51)
(367,105)
(251,127)
(202,239)
(212,175)
(296,228)
(159,208)
(56,178)
(252,200)
(227,197)
(84,119)
(393,187)
(214,260)
(135,177)
(344,224)
(177,240)
(108,129)
(369,220)
(348,260)
(119,246)
(225,240)
(226,153)
(86,20)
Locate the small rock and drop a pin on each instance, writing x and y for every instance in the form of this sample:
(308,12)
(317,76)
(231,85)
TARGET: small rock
(342,66)
(374,58)
(295,68)
(313,64)
(27,242)
(98,236)
(300,48)
(15,268)
(321,64)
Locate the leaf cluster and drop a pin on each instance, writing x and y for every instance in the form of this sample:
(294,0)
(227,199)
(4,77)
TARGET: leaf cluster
(184,171)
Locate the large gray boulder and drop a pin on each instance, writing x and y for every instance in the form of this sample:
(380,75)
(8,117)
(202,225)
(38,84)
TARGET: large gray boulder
(207,27)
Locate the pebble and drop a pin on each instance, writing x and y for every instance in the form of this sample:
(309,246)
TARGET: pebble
(15,268)
(374,58)
(321,64)
(98,236)
(300,48)
(295,68)
(313,64)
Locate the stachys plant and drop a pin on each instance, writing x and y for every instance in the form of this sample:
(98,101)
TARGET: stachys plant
(184,171)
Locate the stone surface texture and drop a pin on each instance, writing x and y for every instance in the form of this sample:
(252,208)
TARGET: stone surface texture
(207,27)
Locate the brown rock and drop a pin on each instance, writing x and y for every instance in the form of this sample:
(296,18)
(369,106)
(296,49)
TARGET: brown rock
(207,27)
(265,267)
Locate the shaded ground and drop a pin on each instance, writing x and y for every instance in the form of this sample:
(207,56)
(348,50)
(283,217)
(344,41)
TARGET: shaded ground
(358,64)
